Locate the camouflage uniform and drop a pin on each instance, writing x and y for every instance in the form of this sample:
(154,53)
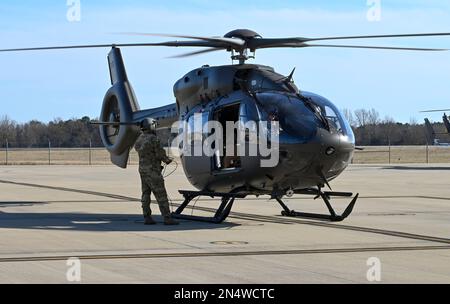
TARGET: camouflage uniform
(151,154)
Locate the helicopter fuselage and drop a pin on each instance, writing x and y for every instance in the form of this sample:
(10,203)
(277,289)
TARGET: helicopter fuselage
(314,143)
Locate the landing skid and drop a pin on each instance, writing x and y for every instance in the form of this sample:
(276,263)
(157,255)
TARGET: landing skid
(221,213)
(326,196)
(227,200)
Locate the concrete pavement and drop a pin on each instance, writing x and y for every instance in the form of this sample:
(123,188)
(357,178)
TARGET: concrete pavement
(50,213)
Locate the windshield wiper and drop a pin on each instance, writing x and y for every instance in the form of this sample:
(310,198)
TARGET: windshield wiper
(315,109)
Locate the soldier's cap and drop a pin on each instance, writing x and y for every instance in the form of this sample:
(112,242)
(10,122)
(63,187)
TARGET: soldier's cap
(148,125)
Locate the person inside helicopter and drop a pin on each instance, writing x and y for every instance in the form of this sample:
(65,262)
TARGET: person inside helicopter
(230,158)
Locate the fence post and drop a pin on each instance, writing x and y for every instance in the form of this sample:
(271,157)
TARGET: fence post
(49,153)
(428,160)
(389,151)
(7,150)
(90,152)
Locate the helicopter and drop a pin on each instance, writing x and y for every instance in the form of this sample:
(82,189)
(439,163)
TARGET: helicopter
(444,118)
(431,134)
(314,142)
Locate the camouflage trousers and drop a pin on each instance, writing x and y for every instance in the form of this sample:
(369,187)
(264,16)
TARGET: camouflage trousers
(152,181)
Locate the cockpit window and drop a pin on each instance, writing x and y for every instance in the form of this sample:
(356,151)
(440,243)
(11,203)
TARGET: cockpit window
(333,119)
(293,116)
(259,80)
(276,82)
(336,121)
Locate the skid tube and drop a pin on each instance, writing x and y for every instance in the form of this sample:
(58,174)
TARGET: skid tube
(227,200)
(221,213)
(326,196)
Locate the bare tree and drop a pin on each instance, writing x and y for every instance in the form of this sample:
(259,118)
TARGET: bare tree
(361,116)
(7,127)
(413,121)
(349,117)
(373,117)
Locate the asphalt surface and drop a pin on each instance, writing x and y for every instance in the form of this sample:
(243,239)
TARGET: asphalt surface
(51,213)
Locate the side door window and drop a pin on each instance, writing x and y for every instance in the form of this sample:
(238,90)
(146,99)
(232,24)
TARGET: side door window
(195,136)
(248,122)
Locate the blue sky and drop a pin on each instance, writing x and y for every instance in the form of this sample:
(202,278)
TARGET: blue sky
(66,84)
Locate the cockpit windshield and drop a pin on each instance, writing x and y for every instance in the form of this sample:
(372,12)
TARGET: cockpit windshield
(333,119)
(293,116)
(260,80)
(336,122)
(301,117)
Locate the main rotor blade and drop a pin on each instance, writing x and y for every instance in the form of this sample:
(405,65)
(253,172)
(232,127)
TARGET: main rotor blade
(236,43)
(280,42)
(304,45)
(57,48)
(168,43)
(112,123)
(378,36)
(375,47)
(430,111)
(196,53)
(233,41)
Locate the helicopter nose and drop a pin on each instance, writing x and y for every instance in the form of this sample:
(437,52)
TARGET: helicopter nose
(337,151)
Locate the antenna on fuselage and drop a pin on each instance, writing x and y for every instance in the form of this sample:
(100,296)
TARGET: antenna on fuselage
(290,77)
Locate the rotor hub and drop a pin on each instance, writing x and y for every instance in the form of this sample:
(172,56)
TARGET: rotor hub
(243,34)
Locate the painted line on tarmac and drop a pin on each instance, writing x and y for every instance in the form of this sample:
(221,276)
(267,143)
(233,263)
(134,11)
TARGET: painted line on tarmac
(221,254)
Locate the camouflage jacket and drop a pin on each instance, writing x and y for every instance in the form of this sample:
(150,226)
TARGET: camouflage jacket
(151,153)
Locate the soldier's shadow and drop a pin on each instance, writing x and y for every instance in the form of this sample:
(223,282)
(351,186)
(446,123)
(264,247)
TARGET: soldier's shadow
(184,225)
(73,221)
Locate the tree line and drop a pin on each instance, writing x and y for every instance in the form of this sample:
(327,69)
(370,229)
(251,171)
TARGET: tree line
(59,133)
(369,129)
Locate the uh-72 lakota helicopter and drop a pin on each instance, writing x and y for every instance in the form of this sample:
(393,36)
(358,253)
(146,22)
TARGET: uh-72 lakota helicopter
(431,134)
(314,145)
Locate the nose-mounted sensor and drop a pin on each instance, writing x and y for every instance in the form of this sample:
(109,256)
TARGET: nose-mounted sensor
(330,151)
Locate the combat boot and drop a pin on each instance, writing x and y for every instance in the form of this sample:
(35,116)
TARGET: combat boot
(168,220)
(148,220)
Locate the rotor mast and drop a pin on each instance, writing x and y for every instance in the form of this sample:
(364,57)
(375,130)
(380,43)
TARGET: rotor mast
(242,55)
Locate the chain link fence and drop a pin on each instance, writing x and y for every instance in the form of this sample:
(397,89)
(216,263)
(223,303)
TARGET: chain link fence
(56,156)
(402,154)
(63,156)
(99,156)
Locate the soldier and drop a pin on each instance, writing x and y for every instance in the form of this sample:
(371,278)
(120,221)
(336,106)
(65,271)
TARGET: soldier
(151,154)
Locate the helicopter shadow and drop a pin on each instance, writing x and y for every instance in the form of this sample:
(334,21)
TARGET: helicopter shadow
(97,222)
(6,204)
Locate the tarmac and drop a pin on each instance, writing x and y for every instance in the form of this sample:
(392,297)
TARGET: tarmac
(51,213)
